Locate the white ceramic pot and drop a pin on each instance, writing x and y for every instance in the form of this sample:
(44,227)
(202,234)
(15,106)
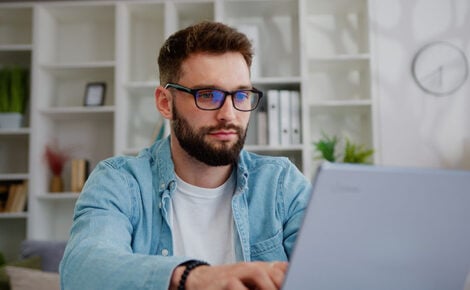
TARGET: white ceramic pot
(10,120)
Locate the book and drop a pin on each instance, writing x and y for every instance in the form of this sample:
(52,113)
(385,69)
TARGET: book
(19,202)
(11,198)
(79,174)
(284,117)
(295,117)
(273,117)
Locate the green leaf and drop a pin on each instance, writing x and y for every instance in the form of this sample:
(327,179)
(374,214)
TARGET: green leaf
(326,147)
(4,90)
(356,153)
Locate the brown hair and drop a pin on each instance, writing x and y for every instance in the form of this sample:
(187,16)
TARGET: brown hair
(207,36)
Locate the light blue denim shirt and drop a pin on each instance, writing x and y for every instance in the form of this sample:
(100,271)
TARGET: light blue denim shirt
(121,236)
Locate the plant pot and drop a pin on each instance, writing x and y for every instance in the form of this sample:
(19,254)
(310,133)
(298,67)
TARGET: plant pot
(10,120)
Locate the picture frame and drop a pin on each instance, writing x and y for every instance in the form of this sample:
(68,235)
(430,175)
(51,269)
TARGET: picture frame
(94,94)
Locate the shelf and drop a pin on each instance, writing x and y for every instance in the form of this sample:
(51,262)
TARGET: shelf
(345,58)
(58,196)
(79,112)
(277,148)
(79,65)
(15,47)
(136,85)
(341,103)
(14,176)
(329,7)
(15,132)
(13,215)
(277,80)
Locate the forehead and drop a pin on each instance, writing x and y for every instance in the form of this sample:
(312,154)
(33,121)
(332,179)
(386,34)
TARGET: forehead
(225,70)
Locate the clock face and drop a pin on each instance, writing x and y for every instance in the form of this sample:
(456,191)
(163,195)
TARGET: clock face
(440,68)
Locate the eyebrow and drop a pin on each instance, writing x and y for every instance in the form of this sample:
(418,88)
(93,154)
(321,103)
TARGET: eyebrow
(241,87)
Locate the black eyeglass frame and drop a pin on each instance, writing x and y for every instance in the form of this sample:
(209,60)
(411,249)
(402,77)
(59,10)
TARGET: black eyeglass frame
(194,93)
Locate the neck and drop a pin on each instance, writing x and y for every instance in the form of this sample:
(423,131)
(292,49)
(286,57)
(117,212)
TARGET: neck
(196,172)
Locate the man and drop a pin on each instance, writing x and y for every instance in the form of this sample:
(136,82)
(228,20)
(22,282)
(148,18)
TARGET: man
(157,220)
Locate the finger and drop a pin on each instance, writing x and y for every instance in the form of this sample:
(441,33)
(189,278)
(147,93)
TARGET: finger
(278,272)
(257,276)
(280,265)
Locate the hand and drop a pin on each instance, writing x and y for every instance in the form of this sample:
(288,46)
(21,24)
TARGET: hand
(243,276)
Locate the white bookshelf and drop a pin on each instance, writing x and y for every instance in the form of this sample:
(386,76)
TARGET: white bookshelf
(317,47)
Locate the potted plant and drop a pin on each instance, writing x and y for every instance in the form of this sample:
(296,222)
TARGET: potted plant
(13,96)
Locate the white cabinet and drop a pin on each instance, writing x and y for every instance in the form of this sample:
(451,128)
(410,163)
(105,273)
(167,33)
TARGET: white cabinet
(319,48)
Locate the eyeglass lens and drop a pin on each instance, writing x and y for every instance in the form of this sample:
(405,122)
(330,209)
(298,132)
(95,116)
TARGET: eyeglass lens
(212,99)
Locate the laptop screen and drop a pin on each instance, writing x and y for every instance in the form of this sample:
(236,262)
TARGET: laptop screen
(371,227)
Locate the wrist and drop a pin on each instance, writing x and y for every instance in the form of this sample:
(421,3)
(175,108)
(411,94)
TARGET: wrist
(186,269)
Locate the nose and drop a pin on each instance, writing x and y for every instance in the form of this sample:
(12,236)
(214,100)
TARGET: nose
(227,111)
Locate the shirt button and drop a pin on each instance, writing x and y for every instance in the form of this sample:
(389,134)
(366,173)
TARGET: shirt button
(159,205)
(165,252)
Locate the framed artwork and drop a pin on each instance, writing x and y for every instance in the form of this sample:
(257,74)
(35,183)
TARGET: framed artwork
(94,94)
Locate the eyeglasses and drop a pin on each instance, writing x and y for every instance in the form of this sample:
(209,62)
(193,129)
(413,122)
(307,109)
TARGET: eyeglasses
(210,99)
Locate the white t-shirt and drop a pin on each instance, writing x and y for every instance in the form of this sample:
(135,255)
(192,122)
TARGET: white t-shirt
(202,222)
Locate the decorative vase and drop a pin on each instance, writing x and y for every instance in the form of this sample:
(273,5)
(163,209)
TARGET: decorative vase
(57,184)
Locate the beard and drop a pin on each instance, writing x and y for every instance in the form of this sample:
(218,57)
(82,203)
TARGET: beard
(195,145)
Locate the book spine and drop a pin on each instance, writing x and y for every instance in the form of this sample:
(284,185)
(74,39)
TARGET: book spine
(295,118)
(80,168)
(284,117)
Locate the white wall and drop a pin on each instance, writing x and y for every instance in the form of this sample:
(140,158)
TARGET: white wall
(416,128)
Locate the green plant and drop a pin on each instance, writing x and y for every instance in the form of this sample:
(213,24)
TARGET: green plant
(356,153)
(351,153)
(327,146)
(13,89)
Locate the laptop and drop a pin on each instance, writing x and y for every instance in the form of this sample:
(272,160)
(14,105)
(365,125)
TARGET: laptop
(378,228)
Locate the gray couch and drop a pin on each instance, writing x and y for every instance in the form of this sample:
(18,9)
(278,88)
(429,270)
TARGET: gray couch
(51,253)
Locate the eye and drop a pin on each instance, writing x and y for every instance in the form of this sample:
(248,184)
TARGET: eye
(210,96)
(241,96)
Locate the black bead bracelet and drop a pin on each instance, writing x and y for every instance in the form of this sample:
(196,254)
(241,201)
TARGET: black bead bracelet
(190,265)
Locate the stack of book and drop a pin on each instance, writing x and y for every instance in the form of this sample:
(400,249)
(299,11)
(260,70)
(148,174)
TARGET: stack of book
(13,197)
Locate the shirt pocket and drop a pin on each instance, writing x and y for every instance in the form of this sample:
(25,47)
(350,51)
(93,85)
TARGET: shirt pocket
(271,249)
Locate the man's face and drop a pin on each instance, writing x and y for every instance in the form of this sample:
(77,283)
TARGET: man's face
(212,137)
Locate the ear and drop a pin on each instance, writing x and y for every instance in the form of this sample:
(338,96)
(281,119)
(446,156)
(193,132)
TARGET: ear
(163,101)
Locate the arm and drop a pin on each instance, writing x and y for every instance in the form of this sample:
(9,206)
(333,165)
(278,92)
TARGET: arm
(297,191)
(100,253)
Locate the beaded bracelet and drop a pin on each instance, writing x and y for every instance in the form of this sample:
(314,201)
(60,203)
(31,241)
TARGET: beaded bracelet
(190,265)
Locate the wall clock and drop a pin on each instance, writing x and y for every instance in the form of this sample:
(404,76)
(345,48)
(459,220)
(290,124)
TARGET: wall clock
(440,68)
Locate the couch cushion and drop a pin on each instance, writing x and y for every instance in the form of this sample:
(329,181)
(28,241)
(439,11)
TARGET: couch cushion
(51,252)
(27,279)
(33,262)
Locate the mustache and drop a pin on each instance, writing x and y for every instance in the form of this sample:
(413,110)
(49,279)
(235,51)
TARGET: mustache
(222,127)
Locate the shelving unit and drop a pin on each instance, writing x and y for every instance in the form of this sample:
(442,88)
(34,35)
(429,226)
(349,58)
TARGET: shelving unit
(75,44)
(337,71)
(319,48)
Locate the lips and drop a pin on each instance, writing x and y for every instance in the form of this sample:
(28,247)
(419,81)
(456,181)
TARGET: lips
(223,134)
